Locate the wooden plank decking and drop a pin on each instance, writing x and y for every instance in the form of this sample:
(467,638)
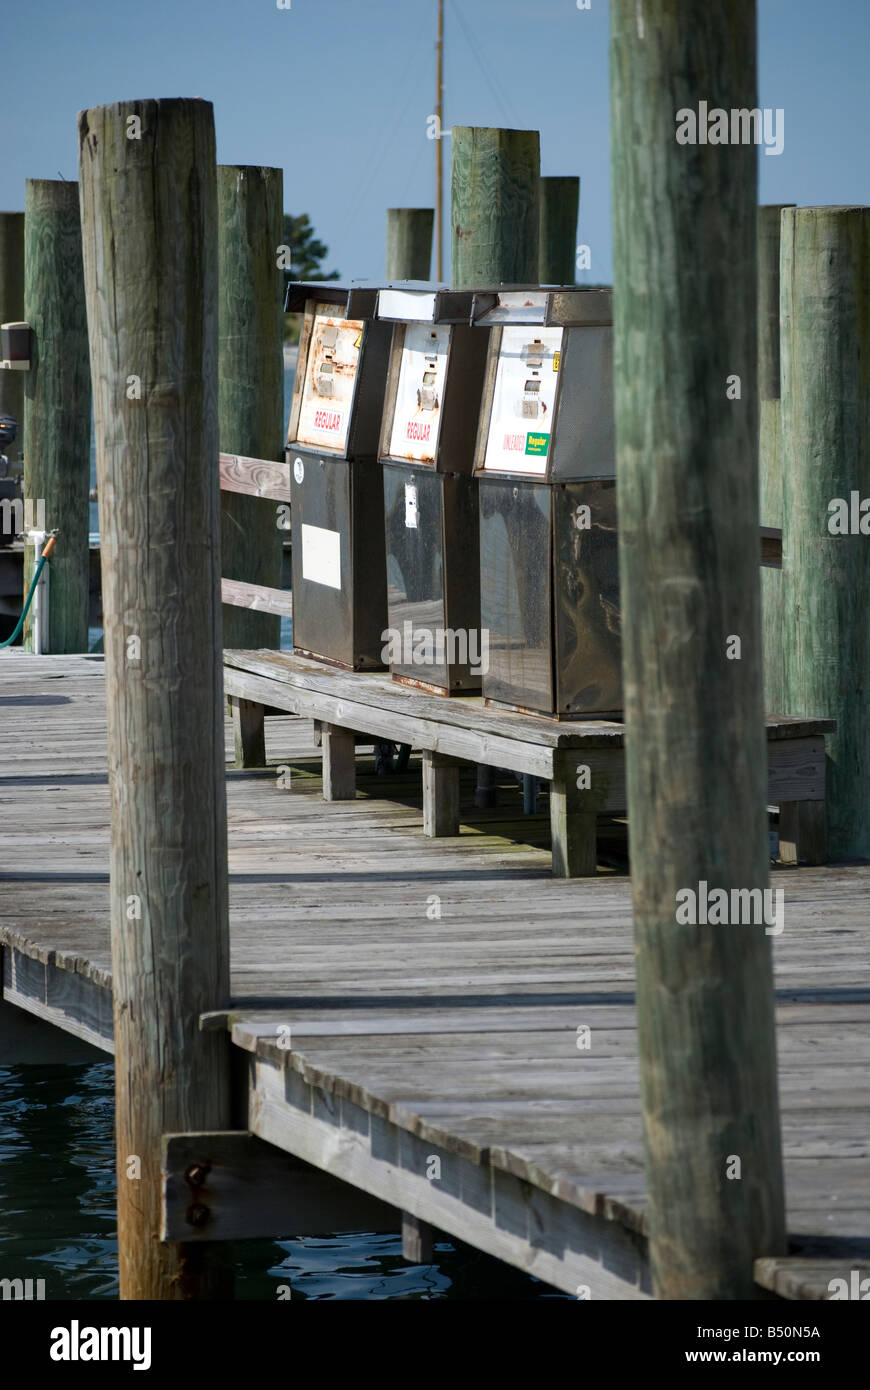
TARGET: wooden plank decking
(417,1036)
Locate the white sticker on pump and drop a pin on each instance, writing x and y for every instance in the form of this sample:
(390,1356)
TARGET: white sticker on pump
(411,505)
(321,556)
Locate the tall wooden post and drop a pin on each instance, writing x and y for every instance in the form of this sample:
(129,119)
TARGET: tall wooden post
(770,444)
(147,171)
(495,191)
(409,243)
(826,483)
(557,253)
(684,327)
(250,204)
(57,403)
(495,212)
(12,311)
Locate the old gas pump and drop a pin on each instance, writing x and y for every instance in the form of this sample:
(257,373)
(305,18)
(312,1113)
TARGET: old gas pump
(336,490)
(546,469)
(433,396)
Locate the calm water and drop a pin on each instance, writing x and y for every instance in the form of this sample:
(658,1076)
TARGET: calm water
(57,1198)
(57,1213)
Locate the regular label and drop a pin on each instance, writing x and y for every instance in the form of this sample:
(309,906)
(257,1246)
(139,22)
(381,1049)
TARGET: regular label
(321,556)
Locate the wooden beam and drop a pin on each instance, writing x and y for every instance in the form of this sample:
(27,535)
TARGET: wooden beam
(12,311)
(254,477)
(257,597)
(232,1186)
(57,403)
(250,382)
(557,252)
(495,206)
(151,309)
(409,243)
(826,456)
(684,323)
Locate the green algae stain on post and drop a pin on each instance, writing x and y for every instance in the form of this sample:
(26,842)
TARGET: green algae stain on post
(825,349)
(57,403)
(409,243)
(495,203)
(684,321)
(250,382)
(560,203)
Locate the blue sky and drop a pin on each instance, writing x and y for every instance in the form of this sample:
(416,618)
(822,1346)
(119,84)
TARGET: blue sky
(337,93)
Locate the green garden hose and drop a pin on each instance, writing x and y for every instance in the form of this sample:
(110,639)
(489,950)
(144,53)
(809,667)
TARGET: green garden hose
(49,547)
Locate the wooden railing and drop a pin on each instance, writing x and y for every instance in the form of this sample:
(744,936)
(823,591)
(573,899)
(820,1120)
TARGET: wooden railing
(271,481)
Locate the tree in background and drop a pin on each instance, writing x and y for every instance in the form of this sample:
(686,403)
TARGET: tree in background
(307,251)
(306,256)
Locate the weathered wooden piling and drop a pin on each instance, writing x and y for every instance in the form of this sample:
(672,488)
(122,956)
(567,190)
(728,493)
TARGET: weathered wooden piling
(495,197)
(57,403)
(409,243)
(825,348)
(12,311)
(770,444)
(250,382)
(147,173)
(495,190)
(557,251)
(684,323)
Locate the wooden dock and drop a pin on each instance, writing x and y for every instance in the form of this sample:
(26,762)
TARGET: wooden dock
(445,999)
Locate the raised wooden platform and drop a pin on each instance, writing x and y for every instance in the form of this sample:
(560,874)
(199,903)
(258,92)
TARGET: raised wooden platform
(583,760)
(399,999)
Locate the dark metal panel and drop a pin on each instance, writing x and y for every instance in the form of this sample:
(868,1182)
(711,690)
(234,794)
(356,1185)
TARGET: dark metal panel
(415,572)
(462,580)
(322,613)
(515,591)
(368,552)
(368,401)
(583,444)
(466,369)
(586,594)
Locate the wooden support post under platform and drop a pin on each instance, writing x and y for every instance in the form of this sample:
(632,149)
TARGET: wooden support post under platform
(573,818)
(249,735)
(418,1240)
(440,794)
(339,763)
(803,832)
